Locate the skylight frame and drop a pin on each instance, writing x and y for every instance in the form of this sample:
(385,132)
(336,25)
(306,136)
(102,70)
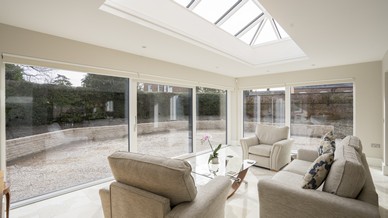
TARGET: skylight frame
(262,18)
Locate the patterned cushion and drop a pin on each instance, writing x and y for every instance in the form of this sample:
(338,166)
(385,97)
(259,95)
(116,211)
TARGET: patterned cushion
(318,171)
(327,144)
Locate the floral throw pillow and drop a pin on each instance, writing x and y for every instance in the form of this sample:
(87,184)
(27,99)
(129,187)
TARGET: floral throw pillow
(327,144)
(318,171)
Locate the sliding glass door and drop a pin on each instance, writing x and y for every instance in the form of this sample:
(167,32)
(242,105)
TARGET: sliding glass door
(60,128)
(266,106)
(318,109)
(211,116)
(164,120)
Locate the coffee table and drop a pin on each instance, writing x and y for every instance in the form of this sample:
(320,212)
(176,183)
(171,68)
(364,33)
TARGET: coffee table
(229,165)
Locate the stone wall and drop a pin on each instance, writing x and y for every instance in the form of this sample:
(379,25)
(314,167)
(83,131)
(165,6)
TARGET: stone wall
(23,146)
(28,145)
(315,131)
(147,128)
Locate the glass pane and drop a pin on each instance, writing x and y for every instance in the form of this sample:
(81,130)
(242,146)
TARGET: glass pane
(283,33)
(212,10)
(184,3)
(164,124)
(315,110)
(248,36)
(211,116)
(265,106)
(60,128)
(267,34)
(241,18)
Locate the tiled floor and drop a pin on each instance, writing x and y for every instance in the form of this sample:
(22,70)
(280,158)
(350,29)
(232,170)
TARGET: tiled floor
(244,203)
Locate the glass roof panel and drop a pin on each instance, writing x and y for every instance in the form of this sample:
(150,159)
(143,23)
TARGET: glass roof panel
(236,20)
(212,10)
(282,32)
(241,18)
(184,3)
(267,34)
(248,36)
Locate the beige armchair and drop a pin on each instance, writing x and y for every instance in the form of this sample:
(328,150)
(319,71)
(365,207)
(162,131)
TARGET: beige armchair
(149,186)
(270,147)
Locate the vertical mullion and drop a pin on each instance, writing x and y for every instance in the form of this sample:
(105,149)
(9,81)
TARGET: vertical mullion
(132,127)
(193,122)
(2,119)
(288,109)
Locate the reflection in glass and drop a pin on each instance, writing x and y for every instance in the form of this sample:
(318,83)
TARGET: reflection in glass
(266,106)
(315,110)
(211,116)
(60,127)
(164,124)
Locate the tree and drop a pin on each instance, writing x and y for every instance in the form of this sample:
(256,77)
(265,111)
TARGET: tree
(13,72)
(104,83)
(107,88)
(62,80)
(209,90)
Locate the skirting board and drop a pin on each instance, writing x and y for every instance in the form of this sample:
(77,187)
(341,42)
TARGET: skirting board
(374,162)
(234,142)
(385,170)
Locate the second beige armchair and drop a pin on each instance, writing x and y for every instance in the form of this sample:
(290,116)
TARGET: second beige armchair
(270,147)
(151,187)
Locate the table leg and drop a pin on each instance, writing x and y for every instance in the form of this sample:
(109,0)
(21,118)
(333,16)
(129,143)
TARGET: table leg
(8,198)
(237,182)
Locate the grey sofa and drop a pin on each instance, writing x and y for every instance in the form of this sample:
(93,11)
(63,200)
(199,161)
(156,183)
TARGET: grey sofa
(269,147)
(150,186)
(348,190)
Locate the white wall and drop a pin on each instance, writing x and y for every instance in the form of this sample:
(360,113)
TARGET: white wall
(82,56)
(367,78)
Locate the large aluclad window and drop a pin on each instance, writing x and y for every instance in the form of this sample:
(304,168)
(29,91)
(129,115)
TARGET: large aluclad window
(60,128)
(164,120)
(266,106)
(317,109)
(211,116)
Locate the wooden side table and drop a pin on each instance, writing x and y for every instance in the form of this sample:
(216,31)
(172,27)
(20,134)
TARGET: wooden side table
(7,193)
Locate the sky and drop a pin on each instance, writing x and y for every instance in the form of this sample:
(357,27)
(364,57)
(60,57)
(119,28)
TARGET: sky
(74,77)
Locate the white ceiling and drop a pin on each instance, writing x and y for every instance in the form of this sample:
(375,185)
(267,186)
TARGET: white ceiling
(328,33)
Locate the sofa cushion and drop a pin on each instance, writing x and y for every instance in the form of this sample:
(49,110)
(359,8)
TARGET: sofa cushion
(354,142)
(298,166)
(327,144)
(170,178)
(347,174)
(318,171)
(271,134)
(261,150)
(288,178)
